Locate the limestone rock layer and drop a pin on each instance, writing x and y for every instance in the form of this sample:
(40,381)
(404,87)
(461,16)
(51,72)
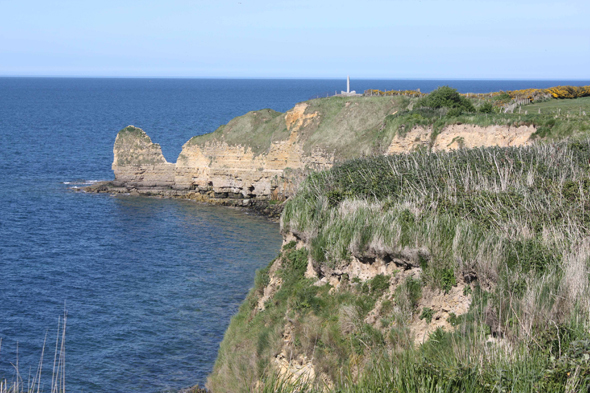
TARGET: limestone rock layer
(265,154)
(139,162)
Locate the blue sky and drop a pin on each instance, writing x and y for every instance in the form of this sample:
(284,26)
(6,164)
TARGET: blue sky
(296,39)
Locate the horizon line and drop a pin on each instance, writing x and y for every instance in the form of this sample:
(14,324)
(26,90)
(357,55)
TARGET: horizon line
(290,78)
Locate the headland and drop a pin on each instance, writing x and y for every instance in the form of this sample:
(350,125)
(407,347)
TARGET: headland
(436,243)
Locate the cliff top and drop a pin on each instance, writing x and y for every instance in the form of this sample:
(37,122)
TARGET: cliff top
(352,127)
(343,125)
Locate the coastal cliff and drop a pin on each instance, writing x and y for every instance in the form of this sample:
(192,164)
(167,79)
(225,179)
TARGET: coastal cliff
(259,159)
(424,249)
(449,271)
(460,265)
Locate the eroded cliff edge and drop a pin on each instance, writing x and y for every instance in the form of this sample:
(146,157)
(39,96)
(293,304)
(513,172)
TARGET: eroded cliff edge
(424,272)
(258,159)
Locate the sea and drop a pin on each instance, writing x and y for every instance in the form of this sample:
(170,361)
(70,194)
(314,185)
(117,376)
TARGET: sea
(148,285)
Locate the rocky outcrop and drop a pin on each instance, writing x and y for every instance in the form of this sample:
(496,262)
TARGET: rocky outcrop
(240,170)
(210,168)
(138,162)
(264,155)
(458,136)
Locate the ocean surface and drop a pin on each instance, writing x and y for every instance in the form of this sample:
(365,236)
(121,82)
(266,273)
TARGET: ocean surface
(149,284)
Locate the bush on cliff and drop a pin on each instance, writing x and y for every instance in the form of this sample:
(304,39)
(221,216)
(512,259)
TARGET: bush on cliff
(446,97)
(486,107)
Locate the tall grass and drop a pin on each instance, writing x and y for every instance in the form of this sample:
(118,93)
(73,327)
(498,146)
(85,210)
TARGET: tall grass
(516,216)
(510,225)
(36,383)
(517,219)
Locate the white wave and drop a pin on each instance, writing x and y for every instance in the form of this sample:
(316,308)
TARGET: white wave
(82,182)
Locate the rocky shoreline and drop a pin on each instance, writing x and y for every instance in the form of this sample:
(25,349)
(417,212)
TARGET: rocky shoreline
(264,207)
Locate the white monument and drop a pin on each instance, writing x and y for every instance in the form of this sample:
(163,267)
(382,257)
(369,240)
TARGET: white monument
(348,93)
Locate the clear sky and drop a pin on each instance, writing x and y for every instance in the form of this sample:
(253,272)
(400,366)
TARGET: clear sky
(518,39)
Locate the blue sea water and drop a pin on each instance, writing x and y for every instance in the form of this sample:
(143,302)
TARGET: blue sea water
(149,284)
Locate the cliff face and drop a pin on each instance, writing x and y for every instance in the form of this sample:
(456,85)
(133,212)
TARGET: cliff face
(301,323)
(458,136)
(265,154)
(138,162)
(424,272)
(249,170)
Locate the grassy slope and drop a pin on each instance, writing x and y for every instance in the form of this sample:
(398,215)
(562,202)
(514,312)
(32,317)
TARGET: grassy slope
(343,125)
(350,126)
(516,218)
(549,122)
(353,127)
(552,106)
(256,129)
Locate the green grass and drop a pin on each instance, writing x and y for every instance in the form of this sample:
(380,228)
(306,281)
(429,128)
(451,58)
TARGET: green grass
(433,368)
(514,220)
(317,316)
(256,130)
(553,106)
(353,127)
(344,126)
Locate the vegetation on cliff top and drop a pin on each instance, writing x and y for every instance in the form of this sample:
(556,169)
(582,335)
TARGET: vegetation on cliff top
(559,92)
(511,225)
(354,127)
(256,130)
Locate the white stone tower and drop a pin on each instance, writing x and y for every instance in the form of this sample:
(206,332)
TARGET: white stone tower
(348,93)
(347,84)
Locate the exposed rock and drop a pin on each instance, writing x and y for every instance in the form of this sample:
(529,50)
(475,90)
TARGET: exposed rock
(139,162)
(229,170)
(470,136)
(264,155)
(239,170)
(296,367)
(442,305)
(461,136)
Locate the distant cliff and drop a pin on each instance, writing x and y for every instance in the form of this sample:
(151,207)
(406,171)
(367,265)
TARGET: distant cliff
(264,155)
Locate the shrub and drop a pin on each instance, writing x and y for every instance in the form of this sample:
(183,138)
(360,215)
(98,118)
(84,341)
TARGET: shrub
(378,284)
(427,314)
(486,107)
(447,97)
(408,294)
(295,262)
(305,298)
(447,279)
(455,112)
(502,97)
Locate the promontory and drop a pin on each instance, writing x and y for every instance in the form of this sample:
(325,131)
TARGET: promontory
(431,243)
